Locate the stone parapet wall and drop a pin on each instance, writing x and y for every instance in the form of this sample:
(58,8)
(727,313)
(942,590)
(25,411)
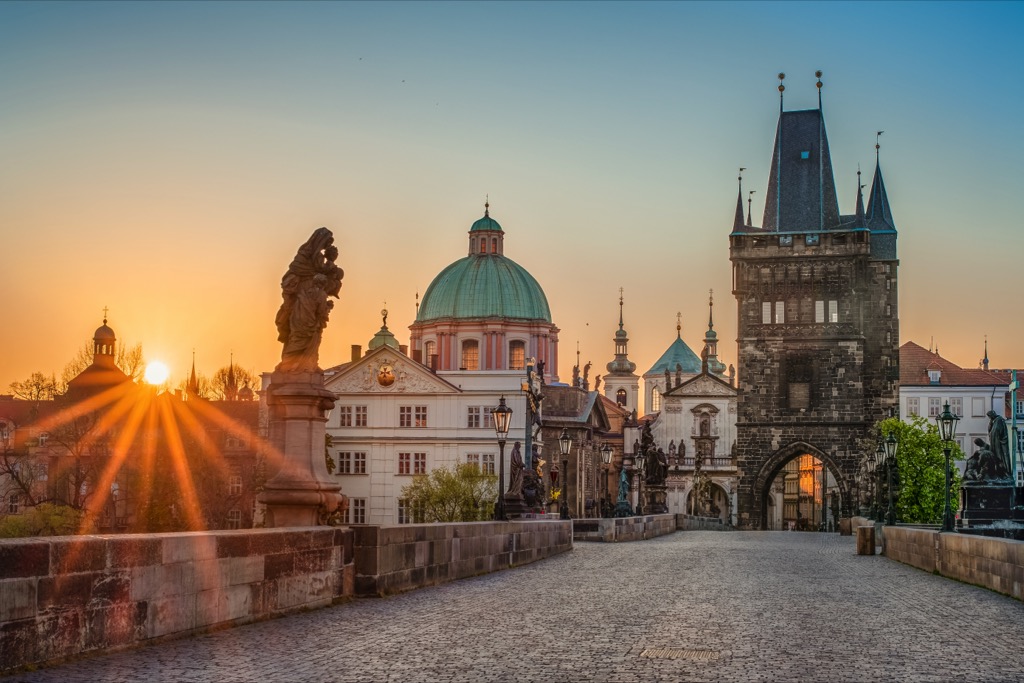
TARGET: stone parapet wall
(393,559)
(622,529)
(67,595)
(694,523)
(994,563)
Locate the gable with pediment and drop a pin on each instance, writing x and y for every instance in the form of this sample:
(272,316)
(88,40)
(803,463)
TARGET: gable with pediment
(386,371)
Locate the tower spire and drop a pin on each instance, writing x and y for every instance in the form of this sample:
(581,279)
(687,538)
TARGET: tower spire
(750,199)
(984,361)
(860,221)
(879,215)
(818,74)
(782,89)
(679,324)
(620,308)
(487,206)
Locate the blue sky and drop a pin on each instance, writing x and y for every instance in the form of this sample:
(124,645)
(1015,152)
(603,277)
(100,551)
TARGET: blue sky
(166,159)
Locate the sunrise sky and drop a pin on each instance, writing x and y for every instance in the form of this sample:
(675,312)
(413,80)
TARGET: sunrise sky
(167,159)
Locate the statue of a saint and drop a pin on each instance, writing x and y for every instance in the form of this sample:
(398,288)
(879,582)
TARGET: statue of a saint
(312,277)
(515,475)
(623,486)
(998,440)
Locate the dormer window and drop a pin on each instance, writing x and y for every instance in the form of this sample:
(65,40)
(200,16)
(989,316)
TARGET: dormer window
(934,375)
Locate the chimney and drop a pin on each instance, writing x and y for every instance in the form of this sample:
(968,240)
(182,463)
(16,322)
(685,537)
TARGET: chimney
(403,349)
(357,352)
(417,355)
(433,362)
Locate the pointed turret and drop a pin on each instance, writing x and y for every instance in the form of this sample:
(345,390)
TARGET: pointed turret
(737,222)
(709,356)
(859,219)
(621,384)
(879,216)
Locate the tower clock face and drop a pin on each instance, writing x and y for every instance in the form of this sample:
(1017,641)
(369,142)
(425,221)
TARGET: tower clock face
(385,375)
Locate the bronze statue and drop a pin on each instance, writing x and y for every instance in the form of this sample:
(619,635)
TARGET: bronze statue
(999,442)
(515,476)
(312,277)
(623,486)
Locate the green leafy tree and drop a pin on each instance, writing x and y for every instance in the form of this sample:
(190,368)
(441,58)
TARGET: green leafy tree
(921,470)
(461,494)
(45,519)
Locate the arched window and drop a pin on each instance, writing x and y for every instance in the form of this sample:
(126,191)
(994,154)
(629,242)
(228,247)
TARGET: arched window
(655,400)
(494,245)
(429,351)
(470,355)
(620,397)
(516,355)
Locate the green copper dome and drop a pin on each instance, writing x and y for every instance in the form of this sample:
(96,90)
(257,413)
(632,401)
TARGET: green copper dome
(677,353)
(484,286)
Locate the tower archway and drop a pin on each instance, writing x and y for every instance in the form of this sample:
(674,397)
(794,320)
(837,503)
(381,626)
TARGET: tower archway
(800,487)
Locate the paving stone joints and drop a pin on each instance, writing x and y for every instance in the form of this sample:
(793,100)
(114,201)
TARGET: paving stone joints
(774,606)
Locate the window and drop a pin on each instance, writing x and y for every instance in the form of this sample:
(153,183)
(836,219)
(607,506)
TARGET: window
(473,459)
(470,355)
(799,374)
(766,312)
(934,407)
(235,487)
(833,311)
(405,416)
(420,416)
(412,416)
(419,463)
(429,352)
(780,312)
(956,406)
(360,416)
(487,463)
(351,462)
(403,511)
(810,240)
(404,460)
(43,437)
(819,311)
(13,503)
(1020,408)
(357,511)
(409,513)
(345,416)
(913,406)
(479,417)
(620,397)
(978,406)
(805,155)
(234,519)
(655,400)
(516,355)
(785,240)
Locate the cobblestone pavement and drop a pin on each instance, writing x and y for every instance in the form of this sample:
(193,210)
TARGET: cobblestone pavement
(692,606)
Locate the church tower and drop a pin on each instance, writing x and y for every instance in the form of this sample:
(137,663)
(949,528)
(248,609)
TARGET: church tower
(621,384)
(818,325)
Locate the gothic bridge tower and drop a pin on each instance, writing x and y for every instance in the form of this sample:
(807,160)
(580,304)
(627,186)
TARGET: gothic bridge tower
(818,324)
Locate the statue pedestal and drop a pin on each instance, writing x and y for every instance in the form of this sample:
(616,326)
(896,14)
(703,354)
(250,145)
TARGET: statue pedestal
(989,502)
(515,506)
(656,499)
(301,492)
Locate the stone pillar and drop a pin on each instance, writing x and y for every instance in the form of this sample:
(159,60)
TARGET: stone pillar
(656,503)
(301,493)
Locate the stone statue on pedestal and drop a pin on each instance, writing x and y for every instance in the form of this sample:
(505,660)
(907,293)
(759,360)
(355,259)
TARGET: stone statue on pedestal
(301,492)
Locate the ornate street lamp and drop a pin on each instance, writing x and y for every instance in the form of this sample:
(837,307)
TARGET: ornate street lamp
(872,461)
(606,458)
(502,415)
(564,446)
(640,464)
(891,446)
(947,428)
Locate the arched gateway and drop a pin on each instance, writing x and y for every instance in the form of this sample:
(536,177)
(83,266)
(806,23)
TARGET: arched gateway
(818,323)
(829,487)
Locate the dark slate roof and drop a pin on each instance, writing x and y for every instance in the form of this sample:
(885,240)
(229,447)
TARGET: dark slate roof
(801,187)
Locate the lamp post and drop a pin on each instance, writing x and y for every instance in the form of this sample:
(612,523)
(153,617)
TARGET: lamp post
(640,464)
(891,446)
(606,458)
(947,428)
(564,446)
(873,491)
(502,415)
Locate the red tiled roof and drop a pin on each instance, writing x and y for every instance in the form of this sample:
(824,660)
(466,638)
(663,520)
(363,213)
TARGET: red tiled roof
(915,361)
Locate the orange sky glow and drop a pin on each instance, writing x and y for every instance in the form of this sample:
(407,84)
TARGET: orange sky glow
(166,160)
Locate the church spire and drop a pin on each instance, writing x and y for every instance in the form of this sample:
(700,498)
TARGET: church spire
(750,200)
(737,223)
(984,361)
(192,389)
(621,365)
(710,355)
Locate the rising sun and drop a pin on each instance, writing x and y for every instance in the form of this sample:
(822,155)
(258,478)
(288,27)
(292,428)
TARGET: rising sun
(156,373)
